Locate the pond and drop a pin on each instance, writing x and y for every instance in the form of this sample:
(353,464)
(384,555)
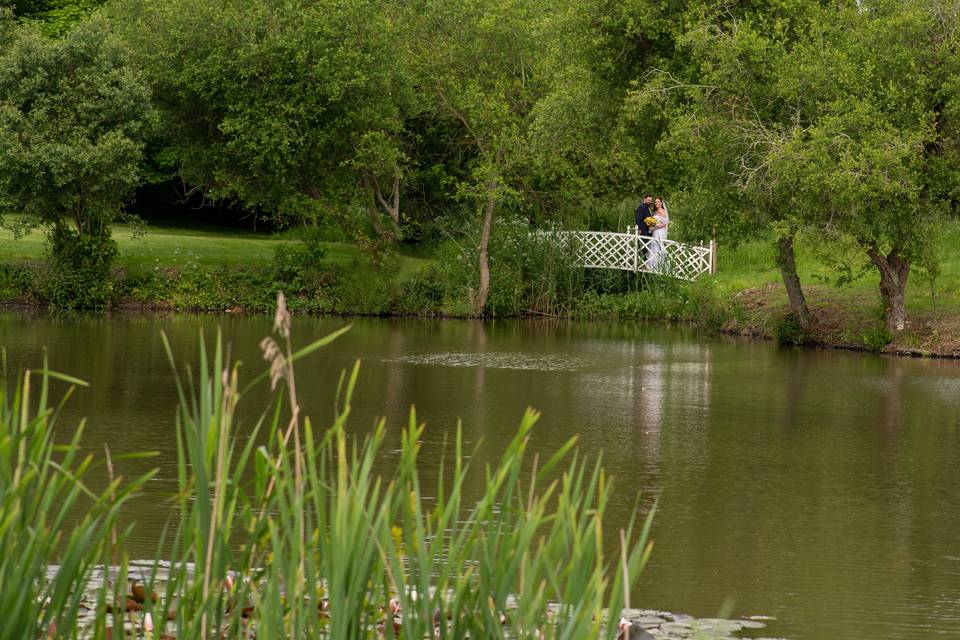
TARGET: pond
(818,487)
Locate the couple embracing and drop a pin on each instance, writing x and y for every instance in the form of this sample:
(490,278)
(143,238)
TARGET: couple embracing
(653,221)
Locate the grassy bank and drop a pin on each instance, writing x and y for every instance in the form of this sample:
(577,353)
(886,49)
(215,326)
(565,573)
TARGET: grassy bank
(747,297)
(216,270)
(213,270)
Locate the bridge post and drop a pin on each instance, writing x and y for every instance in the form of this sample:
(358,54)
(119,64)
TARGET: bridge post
(713,256)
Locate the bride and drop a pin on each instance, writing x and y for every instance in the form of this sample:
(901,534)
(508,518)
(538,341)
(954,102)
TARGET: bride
(657,248)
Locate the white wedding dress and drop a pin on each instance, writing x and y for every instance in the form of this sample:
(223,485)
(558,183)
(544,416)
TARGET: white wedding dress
(655,259)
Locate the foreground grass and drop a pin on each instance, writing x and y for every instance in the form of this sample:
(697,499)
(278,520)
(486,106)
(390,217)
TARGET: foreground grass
(291,533)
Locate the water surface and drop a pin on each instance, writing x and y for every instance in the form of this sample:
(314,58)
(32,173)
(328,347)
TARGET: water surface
(819,487)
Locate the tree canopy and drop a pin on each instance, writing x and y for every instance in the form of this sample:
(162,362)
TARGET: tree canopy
(73,120)
(269,104)
(831,123)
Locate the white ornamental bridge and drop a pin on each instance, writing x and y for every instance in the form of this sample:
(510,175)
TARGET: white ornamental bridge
(631,251)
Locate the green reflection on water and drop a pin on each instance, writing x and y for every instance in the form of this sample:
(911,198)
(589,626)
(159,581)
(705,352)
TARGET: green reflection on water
(820,487)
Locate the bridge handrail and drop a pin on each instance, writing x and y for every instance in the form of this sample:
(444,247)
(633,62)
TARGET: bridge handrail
(631,251)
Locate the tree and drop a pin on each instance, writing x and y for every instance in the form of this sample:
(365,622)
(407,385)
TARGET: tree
(479,66)
(730,120)
(880,146)
(73,119)
(836,120)
(54,17)
(288,108)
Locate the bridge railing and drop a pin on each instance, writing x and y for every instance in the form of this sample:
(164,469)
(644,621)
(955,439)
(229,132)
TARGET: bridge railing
(634,252)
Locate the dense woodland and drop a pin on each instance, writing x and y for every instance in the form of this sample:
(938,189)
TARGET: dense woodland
(404,123)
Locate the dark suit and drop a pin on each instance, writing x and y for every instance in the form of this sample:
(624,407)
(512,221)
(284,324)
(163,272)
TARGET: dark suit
(643,211)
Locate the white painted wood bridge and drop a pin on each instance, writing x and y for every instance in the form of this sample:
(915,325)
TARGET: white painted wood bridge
(631,251)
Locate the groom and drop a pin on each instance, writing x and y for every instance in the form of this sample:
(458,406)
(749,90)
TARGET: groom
(643,212)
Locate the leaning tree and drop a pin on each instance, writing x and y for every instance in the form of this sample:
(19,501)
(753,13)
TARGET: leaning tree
(875,161)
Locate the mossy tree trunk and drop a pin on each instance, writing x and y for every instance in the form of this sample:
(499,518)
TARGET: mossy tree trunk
(483,290)
(894,271)
(786,260)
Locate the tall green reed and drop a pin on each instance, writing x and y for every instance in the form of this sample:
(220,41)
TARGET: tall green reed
(286,530)
(42,490)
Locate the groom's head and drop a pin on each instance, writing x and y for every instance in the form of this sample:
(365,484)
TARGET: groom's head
(648,200)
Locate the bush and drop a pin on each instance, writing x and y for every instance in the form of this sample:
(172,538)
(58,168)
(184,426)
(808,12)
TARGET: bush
(300,266)
(876,338)
(365,289)
(707,307)
(16,280)
(78,273)
(530,272)
(422,294)
(787,330)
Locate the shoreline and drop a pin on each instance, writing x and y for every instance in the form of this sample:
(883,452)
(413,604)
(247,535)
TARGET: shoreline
(755,327)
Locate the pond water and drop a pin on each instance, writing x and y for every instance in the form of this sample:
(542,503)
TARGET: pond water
(818,487)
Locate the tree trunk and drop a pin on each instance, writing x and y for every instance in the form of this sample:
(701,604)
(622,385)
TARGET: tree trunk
(787,262)
(371,183)
(894,271)
(392,207)
(378,227)
(483,291)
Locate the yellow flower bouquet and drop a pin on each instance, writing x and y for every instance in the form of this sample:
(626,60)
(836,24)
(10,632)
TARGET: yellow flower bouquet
(651,221)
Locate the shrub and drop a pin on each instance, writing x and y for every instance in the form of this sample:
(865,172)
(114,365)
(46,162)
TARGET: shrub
(16,280)
(707,307)
(876,338)
(787,330)
(299,266)
(422,294)
(78,273)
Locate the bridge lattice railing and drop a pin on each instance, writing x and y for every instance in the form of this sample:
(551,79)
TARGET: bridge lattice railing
(634,252)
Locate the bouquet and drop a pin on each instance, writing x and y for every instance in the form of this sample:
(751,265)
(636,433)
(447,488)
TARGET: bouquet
(651,221)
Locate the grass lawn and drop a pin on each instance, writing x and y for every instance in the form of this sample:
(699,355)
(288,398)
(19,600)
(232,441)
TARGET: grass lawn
(751,266)
(192,247)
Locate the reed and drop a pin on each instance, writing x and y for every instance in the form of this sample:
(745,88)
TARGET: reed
(48,514)
(292,531)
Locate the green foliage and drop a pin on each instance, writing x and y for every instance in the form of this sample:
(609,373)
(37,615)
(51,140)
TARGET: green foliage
(322,514)
(702,304)
(55,17)
(270,104)
(300,266)
(531,274)
(707,306)
(78,270)
(423,294)
(787,330)
(365,289)
(73,118)
(876,338)
(844,126)
(293,516)
(50,514)
(16,279)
